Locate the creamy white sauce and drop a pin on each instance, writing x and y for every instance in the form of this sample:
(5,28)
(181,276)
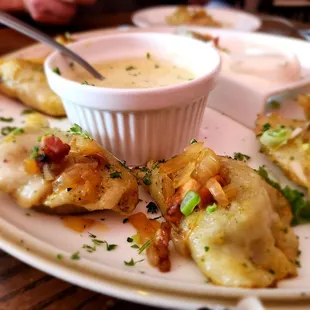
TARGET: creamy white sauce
(144,72)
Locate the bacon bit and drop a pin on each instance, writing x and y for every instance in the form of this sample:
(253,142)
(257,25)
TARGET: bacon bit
(173,213)
(54,148)
(158,251)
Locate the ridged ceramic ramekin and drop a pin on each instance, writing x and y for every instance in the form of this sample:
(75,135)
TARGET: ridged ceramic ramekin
(137,125)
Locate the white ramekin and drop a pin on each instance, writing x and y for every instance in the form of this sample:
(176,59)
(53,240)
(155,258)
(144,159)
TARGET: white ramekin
(137,125)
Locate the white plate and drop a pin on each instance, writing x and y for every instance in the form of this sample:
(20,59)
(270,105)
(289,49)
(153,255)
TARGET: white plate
(38,238)
(230,18)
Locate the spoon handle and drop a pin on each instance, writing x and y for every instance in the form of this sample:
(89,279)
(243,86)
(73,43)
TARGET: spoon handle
(37,35)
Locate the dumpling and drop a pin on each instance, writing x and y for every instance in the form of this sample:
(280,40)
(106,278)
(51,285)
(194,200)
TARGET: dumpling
(25,80)
(64,172)
(238,231)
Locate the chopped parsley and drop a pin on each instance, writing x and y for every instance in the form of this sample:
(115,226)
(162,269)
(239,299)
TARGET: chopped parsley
(275,104)
(56,70)
(132,262)
(193,141)
(207,248)
(90,235)
(245,265)
(129,68)
(116,175)
(76,256)
(59,256)
(108,166)
(135,246)
(299,205)
(6,119)
(292,158)
(147,178)
(125,220)
(241,157)
(111,247)
(156,218)
(212,208)
(129,240)
(34,152)
(285,230)
(27,111)
(6,130)
(89,248)
(17,131)
(297,262)
(152,207)
(77,130)
(85,83)
(145,245)
(148,55)
(98,242)
(265,127)
(123,163)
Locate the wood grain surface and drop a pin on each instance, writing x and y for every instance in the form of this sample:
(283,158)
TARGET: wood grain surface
(25,288)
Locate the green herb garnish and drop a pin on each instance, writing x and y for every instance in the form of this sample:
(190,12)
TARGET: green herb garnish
(76,256)
(57,70)
(6,130)
(275,104)
(135,246)
(18,131)
(98,241)
(77,130)
(6,119)
(129,68)
(148,55)
(125,220)
(59,256)
(90,235)
(207,248)
(193,141)
(111,247)
(89,248)
(241,157)
(85,83)
(147,178)
(212,208)
(129,240)
(71,65)
(34,152)
(265,127)
(300,207)
(132,262)
(27,111)
(116,175)
(152,207)
(275,137)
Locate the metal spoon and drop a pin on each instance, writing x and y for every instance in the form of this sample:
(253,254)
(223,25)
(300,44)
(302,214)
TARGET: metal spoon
(16,24)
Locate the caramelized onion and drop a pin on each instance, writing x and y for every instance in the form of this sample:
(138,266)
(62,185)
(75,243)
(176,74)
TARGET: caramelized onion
(208,166)
(180,161)
(183,175)
(217,192)
(230,191)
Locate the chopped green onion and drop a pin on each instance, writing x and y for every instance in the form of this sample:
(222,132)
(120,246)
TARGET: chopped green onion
(276,137)
(189,202)
(265,127)
(275,104)
(145,245)
(57,70)
(212,208)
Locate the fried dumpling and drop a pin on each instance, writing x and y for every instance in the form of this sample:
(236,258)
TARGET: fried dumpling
(239,233)
(64,172)
(286,142)
(25,80)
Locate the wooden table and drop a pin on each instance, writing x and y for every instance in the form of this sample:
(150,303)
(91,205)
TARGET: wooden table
(25,288)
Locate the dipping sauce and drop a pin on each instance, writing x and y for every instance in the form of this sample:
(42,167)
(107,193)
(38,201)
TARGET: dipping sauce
(146,72)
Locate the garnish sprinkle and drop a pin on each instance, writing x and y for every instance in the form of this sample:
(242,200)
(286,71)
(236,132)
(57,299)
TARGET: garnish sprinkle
(59,256)
(265,127)
(27,111)
(116,175)
(275,104)
(76,256)
(152,207)
(206,248)
(6,119)
(77,130)
(129,68)
(148,55)
(193,141)
(57,70)
(212,208)
(241,157)
(129,240)
(132,262)
(125,220)
(6,130)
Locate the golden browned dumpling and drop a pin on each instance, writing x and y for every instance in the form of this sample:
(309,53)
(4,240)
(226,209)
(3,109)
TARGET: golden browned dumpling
(64,172)
(25,80)
(226,217)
